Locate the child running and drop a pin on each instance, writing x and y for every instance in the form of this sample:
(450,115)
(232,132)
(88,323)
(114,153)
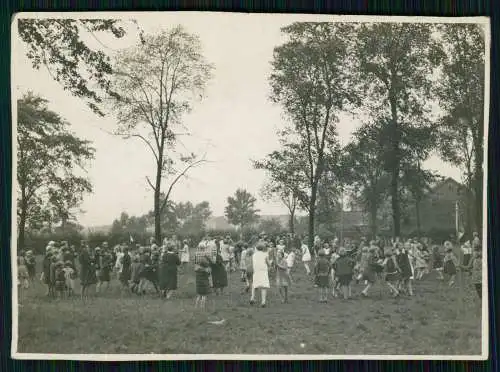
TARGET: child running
(392,272)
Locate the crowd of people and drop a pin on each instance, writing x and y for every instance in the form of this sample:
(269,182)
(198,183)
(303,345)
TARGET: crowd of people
(332,266)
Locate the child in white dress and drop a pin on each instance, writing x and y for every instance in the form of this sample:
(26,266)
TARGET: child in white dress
(260,263)
(306,257)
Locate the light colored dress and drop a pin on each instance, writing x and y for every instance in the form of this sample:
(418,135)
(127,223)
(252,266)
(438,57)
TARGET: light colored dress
(306,255)
(260,269)
(224,252)
(243,265)
(185,254)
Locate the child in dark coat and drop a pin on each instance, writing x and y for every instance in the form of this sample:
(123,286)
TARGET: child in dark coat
(202,271)
(344,269)
(219,275)
(321,276)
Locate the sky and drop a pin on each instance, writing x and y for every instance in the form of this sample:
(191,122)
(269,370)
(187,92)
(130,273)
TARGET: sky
(234,124)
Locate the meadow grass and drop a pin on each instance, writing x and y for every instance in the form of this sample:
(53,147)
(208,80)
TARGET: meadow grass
(437,320)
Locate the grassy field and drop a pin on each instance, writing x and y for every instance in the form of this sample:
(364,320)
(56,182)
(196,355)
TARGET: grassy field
(437,320)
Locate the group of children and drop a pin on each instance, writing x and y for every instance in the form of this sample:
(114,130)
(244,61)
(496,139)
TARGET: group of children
(262,261)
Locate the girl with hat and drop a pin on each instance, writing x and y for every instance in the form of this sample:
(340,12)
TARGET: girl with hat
(344,271)
(87,271)
(450,263)
(30,265)
(475,266)
(437,261)
(249,269)
(219,275)
(168,272)
(369,268)
(22,273)
(124,272)
(322,271)
(260,264)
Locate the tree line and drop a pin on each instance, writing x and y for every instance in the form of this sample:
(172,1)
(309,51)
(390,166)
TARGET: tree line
(391,75)
(418,89)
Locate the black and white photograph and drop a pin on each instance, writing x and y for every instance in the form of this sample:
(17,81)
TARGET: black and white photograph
(198,185)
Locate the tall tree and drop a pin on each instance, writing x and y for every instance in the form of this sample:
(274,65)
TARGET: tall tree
(363,169)
(155,85)
(310,81)
(240,210)
(461,95)
(48,159)
(70,59)
(285,181)
(396,63)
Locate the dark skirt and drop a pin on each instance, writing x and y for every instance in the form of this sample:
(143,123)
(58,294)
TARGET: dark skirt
(60,285)
(369,276)
(344,279)
(31,270)
(104,274)
(322,281)
(219,276)
(125,275)
(438,263)
(168,278)
(88,277)
(449,268)
(466,259)
(202,284)
(392,277)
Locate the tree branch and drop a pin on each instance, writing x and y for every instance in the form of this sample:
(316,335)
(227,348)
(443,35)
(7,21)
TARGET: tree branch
(176,179)
(150,184)
(145,141)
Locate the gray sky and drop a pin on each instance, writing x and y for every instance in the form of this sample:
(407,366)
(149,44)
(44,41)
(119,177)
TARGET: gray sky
(235,123)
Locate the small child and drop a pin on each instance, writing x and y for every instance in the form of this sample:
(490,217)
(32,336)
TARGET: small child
(249,269)
(70,276)
(219,275)
(136,270)
(437,262)
(343,271)
(60,279)
(22,273)
(202,283)
(282,276)
(403,260)
(392,271)
(475,265)
(450,263)
(322,272)
(242,263)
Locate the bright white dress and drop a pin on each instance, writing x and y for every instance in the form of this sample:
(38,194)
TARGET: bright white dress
(260,270)
(306,255)
(290,260)
(185,253)
(224,252)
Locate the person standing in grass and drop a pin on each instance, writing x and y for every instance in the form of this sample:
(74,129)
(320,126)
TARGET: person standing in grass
(391,271)
(260,264)
(168,272)
(136,270)
(202,272)
(124,272)
(450,263)
(344,269)
(437,262)
(184,254)
(282,276)
(403,260)
(219,275)
(243,269)
(249,269)
(22,273)
(322,271)
(306,257)
(475,266)
(87,271)
(31,265)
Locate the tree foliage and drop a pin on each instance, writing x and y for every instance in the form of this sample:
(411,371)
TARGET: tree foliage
(461,95)
(396,64)
(310,82)
(240,210)
(58,45)
(49,160)
(155,85)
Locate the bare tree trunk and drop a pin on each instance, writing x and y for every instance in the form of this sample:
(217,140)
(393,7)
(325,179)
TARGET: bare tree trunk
(22,221)
(395,164)
(291,223)
(373,221)
(417,212)
(312,213)
(157,205)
